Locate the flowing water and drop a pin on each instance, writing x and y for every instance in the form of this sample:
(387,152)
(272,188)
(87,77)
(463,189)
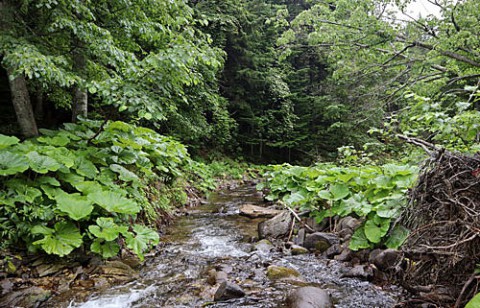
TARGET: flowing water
(214,236)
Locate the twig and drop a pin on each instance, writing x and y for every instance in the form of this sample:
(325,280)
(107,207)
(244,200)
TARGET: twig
(421,143)
(100,129)
(297,217)
(459,299)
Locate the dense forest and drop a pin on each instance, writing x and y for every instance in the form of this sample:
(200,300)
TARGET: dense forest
(112,112)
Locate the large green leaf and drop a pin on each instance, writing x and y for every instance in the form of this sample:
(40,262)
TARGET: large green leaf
(124,174)
(85,167)
(107,229)
(294,198)
(62,155)
(474,302)
(144,237)
(75,205)
(11,163)
(61,240)
(398,235)
(376,228)
(359,240)
(6,141)
(339,191)
(114,202)
(41,163)
(88,187)
(105,249)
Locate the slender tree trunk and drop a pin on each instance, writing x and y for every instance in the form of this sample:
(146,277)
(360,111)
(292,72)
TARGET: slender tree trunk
(80,96)
(22,105)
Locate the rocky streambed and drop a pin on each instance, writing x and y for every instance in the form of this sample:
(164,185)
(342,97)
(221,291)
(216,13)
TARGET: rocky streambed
(212,256)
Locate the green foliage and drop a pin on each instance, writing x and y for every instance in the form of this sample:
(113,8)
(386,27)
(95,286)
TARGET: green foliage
(375,193)
(454,125)
(61,240)
(84,185)
(154,65)
(474,302)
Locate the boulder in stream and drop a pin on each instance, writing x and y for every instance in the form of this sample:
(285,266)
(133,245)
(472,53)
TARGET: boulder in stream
(228,290)
(320,241)
(253,211)
(298,250)
(275,272)
(264,246)
(28,297)
(276,227)
(309,297)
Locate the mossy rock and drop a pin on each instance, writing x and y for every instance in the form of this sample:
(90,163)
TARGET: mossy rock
(275,272)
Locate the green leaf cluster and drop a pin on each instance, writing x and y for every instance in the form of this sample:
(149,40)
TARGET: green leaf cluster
(85,184)
(376,194)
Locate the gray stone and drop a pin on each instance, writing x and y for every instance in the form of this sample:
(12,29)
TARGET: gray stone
(298,250)
(320,241)
(28,297)
(275,227)
(364,272)
(253,211)
(348,223)
(275,272)
(345,254)
(333,250)
(264,246)
(309,297)
(386,259)
(227,290)
(299,239)
(49,269)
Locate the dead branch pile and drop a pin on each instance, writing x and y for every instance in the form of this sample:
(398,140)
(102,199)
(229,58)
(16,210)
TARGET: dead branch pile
(444,218)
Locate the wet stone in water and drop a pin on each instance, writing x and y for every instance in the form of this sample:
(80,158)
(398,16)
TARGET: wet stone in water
(228,290)
(309,297)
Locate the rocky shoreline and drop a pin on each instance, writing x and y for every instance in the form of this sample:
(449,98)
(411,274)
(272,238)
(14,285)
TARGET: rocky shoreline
(46,281)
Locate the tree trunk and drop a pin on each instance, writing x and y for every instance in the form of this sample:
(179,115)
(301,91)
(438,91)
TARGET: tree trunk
(23,107)
(80,96)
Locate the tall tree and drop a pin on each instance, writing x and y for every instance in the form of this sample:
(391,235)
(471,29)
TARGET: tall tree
(146,58)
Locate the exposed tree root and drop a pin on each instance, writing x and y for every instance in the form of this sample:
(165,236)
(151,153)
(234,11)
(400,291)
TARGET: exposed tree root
(444,218)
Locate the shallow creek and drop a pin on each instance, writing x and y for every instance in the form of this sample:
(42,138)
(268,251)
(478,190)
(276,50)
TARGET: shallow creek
(215,236)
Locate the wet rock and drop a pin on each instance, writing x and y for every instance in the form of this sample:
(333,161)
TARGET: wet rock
(211,276)
(320,241)
(220,277)
(29,297)
(298,250)
(345,254)
(228,290)
(132,260)
(275,227)
(348,223)
(275,272)
(118,270)
(386,259)
(49,269)
(309,297)
(225,268)
(264,246)
(5,286)
(317,227)
(364,272)
(299,239)
(333,251)
(254,211)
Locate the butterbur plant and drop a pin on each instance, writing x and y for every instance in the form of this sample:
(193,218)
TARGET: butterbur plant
(377,194)
(84,186)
